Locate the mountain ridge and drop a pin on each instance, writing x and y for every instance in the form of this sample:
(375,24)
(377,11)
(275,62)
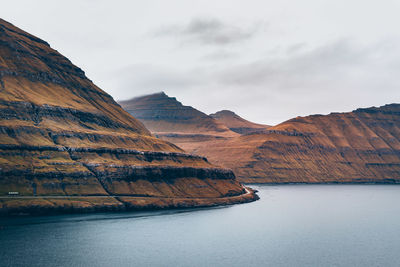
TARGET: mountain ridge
(349,147)
(236,123)
(362,146)
(62,136)
(156,107)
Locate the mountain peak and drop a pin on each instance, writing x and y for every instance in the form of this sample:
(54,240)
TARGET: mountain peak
(162,113)
(160,94)
(61,135)
(158,100)
(223,113)
(7,26)
(26,55)
(237,123)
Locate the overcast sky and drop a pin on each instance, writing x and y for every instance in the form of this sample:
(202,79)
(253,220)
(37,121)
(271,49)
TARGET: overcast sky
(266,60)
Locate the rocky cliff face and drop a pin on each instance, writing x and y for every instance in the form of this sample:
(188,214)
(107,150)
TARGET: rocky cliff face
(237,124)
(362,146)
(62,136)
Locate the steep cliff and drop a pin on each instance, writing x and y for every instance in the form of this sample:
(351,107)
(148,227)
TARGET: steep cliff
(66,145)
(237,124)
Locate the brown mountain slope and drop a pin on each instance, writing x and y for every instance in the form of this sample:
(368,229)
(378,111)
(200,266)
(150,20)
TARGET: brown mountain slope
(182,125)
(359,146)
(60,135)
(161,113)
(236,123)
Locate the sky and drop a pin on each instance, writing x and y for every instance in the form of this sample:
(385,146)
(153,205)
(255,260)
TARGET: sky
(266,60)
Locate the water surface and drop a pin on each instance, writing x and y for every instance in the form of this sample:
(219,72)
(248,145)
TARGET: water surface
(292,225)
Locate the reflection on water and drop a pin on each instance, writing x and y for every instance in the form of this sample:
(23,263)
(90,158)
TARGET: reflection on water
(73,218)
(292,225)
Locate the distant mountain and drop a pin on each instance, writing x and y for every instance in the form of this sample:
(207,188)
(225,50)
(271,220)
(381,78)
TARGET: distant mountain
(61,135)
(161,113)
(359,146)
(362,146)
(236,123)
(182,125)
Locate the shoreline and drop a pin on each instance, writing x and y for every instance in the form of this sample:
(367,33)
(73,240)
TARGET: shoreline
(390,182)
(58,205)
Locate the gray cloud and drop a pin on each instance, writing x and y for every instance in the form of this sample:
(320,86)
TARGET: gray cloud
(338,76)
(214,57)
(221,55)
(209,31)
(333,60)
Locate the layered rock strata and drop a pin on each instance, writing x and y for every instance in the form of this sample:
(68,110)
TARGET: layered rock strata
(362,146)
(66,145)
(182,125)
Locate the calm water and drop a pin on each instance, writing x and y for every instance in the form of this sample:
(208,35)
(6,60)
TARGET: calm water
(299,225)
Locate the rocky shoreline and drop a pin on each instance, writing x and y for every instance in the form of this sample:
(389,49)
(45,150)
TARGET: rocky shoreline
(14,206)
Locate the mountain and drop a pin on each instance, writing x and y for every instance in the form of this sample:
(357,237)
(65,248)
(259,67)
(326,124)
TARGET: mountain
(182,125)
(362,146)
(161,113)
(69,146)
(236,123)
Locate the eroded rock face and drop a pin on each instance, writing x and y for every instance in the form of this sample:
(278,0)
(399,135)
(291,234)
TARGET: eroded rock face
(61,135)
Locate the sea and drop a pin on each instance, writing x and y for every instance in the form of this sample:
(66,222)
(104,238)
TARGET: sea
(291,225)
